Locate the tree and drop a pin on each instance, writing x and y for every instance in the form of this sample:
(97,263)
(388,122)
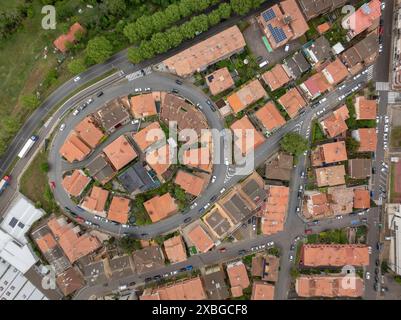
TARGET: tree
(352,145)
(202,5)
(76,66)
(99,49)
(241,7)
(30,101)
(174,36)
(128,245)
(200,23)
(294,143)
(160,42)
(131,33)
(144,27)
(44,167)
(116,8)
(159,22)
(135,55)
(147,50)
(224,10)
(185,7)
(214,17)
(187,30)
(172,14)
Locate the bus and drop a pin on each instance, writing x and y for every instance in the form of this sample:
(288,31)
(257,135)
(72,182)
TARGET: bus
(28,145)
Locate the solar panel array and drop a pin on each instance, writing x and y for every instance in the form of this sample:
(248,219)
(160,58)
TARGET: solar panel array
(268,14)
(277,33)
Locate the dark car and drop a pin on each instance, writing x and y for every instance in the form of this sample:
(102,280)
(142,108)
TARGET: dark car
(376,287)
(144,234)
(241,252)
(175,91)
(183,269)
(213,198)
(213,108)
(99,94)
(373,170)
(157,277)
(292,248)
(178,82)
(260,58)
(201,210)
(143,72)
(378,246)
(115,222)
(148,279)
(377,262)
(376,270)
(187,219)
(376,278)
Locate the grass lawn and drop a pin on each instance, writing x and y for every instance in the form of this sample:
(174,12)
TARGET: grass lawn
(329,236)
(394,197)
(34,185)
(396,137)
(317,133)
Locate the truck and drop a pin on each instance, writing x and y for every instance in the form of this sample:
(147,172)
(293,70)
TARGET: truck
(28,145)
(4,183)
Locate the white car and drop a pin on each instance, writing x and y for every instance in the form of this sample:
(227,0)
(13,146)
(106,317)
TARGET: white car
(287,47)
(137,90)
(361,213)
(271,243)
(174,272)
(207,205)
(136,121)
(339,217)
(213,179)
(166,275)
(306,152)
(291,257)
(342,87)
(199,106)
(386,120)
(76,79)
(383,5)
(193,205)
(367,275)
(148,89)
(357,76)
(125,226)
(76,111)
(62,127)
(339,98)
(323,100)
(89,101)
(298,209)
(222,190)
(370,250)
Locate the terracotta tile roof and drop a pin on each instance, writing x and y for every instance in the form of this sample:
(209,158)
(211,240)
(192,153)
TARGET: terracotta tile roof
(159,159)
(297,22)
(198,158)
(336,255)
(73,245)
(316,85)
(361,198)
(316,204)
(292,102)
(61,42)
(322,28)
(70,281)
(367,138)
(262,291)
(335,72)
(119,210)
(207,52)
(46,243)
(335,124)
(120,152)
(243,140)
(175,249)
(341,199)
(276,77)
(89,132)
(270,117)
(238,277)
(96,201)
(365,109)
(280,167)
(219,81)
(329,286)
(363,18)
(248,94)
(145,137)
(75,183)
(330,176)
(160,207)
(189,289)
(200,239)
(74,149)
(143,105)
(275,209)
(334,152)
(191,183)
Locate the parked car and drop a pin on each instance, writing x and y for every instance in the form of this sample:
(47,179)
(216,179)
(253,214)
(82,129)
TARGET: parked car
(222,249)
(178,82)
(62,127)
(213,179)
(367,275)
(77,78)
(241,252)
(175,91)
(99,94)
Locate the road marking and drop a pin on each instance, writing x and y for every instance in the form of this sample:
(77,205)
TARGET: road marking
(382,86)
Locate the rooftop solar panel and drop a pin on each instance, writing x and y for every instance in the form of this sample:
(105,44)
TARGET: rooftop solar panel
(268,14)
(277,33)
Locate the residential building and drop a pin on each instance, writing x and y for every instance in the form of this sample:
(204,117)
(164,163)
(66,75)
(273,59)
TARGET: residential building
(296,65)
(262,291)
(137,178)
(334,124)
(160,160)
(335,72)
(363,52)
(334,255)
(120,152)
(70,281)
(316,205)
(246,137)
(266,267)
(160,207)
(269,117)
(75,183)
(280,167)
(198,237)
(328,153)
(190,183)
(175,249)
(393,223)
(341,199)
(63,42)
(205,53)
(89,132)
(187,289)
(100,169)
(318,51)
(74,149)
(292,101)
(330,176)
(359,168)
(114,114)
(218,221)
(361,198)
(367,138)
(119,209)
(329,286)
(314,8)
(365,109)
(219,81)
(143,105)
(148,136)
(276,77)
(315,85)
(74,244)
(365,18)
(238,277)
(198,158)
(275,208)
(323,27)
(282,22)
(214,281)
(96,201)
(248,94)
(148,259)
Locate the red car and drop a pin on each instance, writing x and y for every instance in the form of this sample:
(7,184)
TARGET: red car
(222,249)
(308,231)
(80,220)
(53,184)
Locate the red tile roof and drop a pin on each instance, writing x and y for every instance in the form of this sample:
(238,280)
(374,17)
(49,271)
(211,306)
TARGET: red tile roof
(191,183)
(74,149)
(160,207)
(270,117)
(365,109)
(238,278)
(119,209)
(75,183)
(145,137)
(89,132)
(276,77)
(96,201)
(292,102)
(243,140)
(262,291)
(120,152)
(361,198)
(61,42)
(219,81)
(200,239)
(367,138)
(143,105)
(175,249)
(248,94)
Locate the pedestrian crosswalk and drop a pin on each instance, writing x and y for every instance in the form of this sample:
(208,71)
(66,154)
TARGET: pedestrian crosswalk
(382,86)
(138,74)
(394,97)
(229,174)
